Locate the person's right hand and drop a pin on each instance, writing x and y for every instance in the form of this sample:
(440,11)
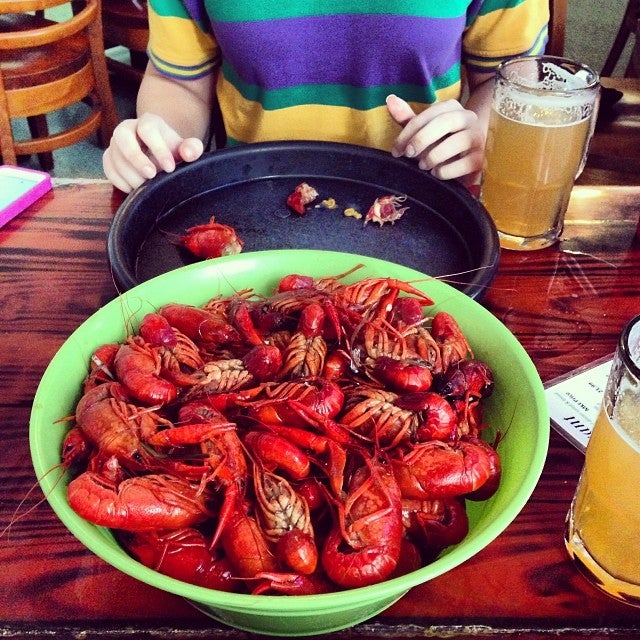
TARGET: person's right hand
(141,147)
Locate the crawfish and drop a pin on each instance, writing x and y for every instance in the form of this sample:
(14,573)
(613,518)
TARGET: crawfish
(306,352)
(141,503)
(290,456)
(406,375)
(319,394)
(114,427)
(137,366)
(465,383)
(291,302)
(211,240)
(376,296)
(182,554)
(436,469)
(219,376)
(205,328)
(277,452)
(245,544)
(435,524)
(452,342)
(263,362)
(422,344)
(327,284)
(286,521)
(176,350)
(293,584)
(363,547)
(221,448)
(374,413)
(378,341)
(101,366)
(437,418)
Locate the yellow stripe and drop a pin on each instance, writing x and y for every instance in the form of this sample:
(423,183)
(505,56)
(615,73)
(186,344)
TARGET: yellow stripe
(246,121)
(181,42)
(518,28)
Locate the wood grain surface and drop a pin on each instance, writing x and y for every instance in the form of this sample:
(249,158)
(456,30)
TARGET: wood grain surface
(565,304)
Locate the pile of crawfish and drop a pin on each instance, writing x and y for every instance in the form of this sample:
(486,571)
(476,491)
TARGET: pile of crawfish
(321,438)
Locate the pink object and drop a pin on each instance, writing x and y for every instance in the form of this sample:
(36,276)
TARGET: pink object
(20,188)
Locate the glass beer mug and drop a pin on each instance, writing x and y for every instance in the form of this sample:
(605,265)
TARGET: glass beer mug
(542,119)
(602,533)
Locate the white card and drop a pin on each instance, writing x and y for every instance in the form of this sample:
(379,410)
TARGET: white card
(575,399)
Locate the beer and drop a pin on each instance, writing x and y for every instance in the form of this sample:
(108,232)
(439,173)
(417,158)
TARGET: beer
(529,173)
(604,520)
(540,124)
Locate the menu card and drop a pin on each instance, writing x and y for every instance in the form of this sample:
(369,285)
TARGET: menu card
(574,400)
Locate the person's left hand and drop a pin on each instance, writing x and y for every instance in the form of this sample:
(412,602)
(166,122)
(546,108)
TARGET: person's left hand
(447,139)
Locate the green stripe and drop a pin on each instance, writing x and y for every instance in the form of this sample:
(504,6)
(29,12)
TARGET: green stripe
(495,5)
(231,10)
(339,95)
(169,8)
(175,71)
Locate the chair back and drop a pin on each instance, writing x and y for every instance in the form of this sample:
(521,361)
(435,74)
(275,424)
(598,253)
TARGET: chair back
(46,66)
(49,31)
(557,27)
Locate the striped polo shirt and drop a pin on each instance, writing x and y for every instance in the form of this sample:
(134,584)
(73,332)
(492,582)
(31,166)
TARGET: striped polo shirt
(321,69)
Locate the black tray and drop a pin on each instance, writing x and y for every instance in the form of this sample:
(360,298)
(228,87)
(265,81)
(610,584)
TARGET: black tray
(445,232)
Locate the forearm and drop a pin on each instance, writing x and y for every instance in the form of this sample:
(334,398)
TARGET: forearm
(480,95)
(185,105)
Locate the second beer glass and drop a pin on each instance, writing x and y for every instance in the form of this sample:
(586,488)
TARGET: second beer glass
(542,119)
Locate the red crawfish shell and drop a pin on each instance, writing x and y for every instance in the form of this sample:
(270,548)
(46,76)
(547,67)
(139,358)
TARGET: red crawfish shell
(211,240)
(410,374)
(263,362)
(298,551)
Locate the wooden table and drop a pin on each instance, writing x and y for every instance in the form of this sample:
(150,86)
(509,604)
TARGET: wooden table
(565,304)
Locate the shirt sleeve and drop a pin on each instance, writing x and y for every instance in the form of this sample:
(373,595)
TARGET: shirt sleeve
(181,44)
(500,29)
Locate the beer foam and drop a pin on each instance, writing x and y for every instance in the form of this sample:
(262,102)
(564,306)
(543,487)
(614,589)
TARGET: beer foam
(554,78)
(537,106)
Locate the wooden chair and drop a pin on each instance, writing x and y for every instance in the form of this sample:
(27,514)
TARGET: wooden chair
(557,27)
(629,28)
(125,24)
(46,66)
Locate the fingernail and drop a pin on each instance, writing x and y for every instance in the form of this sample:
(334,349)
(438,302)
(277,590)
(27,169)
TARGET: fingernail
(409,151)
(149,171)
(395,153)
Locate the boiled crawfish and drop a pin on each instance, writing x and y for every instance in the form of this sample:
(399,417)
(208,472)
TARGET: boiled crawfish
(322,438)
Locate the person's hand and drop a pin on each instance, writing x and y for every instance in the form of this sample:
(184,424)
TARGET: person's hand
(447,139)
(141,147)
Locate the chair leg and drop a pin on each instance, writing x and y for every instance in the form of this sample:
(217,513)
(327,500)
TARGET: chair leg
(39,129)
(627,28)
(109,118)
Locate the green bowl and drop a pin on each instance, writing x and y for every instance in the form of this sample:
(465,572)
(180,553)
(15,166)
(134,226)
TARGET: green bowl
(517,409)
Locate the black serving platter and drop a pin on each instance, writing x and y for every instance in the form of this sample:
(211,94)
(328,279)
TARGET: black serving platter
(445,233)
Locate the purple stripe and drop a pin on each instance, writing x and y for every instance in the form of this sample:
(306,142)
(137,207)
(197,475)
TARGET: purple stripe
(197,10)
(360,50)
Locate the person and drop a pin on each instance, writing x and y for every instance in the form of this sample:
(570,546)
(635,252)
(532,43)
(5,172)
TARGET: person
(407,76)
